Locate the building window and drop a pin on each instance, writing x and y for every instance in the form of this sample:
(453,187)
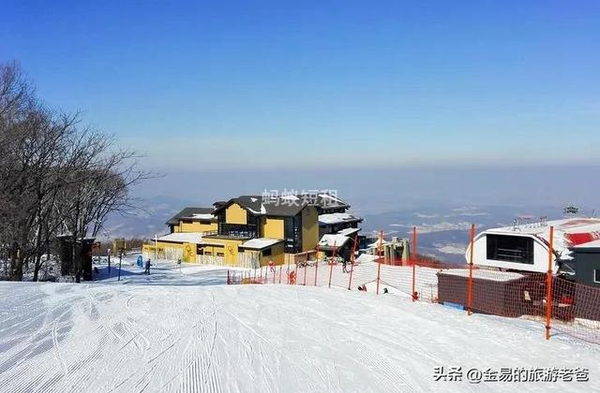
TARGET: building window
(597,276)
(208,253)
(220,254)
(292,228)
(267,252)
(248,231)
(516,249)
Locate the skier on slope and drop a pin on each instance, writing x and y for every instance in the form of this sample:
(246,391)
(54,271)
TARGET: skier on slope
(344,265)
(148,264)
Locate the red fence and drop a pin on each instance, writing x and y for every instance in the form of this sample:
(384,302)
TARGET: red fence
(564,307)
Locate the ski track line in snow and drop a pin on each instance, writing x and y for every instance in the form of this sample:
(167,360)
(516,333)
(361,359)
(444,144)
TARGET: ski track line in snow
(208,380)
(200,326)
(307,376)
(38,344)
(35,342)
(58,354)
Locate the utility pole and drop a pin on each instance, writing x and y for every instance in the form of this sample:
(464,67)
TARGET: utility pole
(120,260)
(155,247)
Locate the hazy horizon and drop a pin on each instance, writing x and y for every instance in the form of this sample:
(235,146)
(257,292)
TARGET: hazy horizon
(384,189)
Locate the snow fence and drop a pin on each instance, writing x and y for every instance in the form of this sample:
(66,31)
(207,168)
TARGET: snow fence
(561,305)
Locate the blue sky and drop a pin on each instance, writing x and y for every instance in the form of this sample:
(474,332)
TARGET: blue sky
(282,84)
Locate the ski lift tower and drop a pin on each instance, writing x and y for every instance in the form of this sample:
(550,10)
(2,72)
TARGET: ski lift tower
(570,211)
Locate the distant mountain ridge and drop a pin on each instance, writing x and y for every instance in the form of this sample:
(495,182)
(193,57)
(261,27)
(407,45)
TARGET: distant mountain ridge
(443,230)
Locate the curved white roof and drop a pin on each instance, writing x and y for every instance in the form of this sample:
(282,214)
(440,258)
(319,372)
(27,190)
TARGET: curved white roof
(182,237)
(260,242)
(569,232)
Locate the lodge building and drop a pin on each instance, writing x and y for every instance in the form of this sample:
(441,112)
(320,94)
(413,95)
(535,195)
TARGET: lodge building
(254,230)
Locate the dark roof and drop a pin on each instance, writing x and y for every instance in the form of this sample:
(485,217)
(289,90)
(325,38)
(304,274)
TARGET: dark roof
(325,202)
(283,206)
(188,213)
(271,207)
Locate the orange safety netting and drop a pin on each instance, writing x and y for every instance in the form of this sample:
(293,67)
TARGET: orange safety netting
(575,308)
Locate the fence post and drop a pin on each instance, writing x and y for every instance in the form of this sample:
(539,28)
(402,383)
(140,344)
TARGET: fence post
(316,264)
(414,266)
(379,261)
(332,262)
(296,273)
(330,273)
(280,268)
(352,260)
(470,281)
(305,268)
(549,282)
(228,281)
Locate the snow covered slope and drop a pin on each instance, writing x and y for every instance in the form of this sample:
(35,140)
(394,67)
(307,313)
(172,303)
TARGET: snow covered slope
(184,331)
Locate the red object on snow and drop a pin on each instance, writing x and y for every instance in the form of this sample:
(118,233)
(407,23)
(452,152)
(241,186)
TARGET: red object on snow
(581,238)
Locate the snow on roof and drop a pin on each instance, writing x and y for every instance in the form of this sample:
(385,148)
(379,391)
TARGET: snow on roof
(333,240)
(336,218)
(182,237)
(188,213)
(569,232)
(204,216)
(568,225)
(483,274)
(330,196)
(377,243)
(260,242)
(363,258)
(348,231)
(263,209)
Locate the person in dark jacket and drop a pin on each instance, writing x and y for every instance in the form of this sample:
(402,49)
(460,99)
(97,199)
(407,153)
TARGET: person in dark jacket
(148,264)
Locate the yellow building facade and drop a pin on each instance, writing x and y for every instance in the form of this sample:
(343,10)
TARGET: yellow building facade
(247,231)
(196,226)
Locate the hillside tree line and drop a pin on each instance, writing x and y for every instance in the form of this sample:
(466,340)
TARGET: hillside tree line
(57,177)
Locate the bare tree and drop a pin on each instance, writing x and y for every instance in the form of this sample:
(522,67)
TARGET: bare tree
(56,177)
